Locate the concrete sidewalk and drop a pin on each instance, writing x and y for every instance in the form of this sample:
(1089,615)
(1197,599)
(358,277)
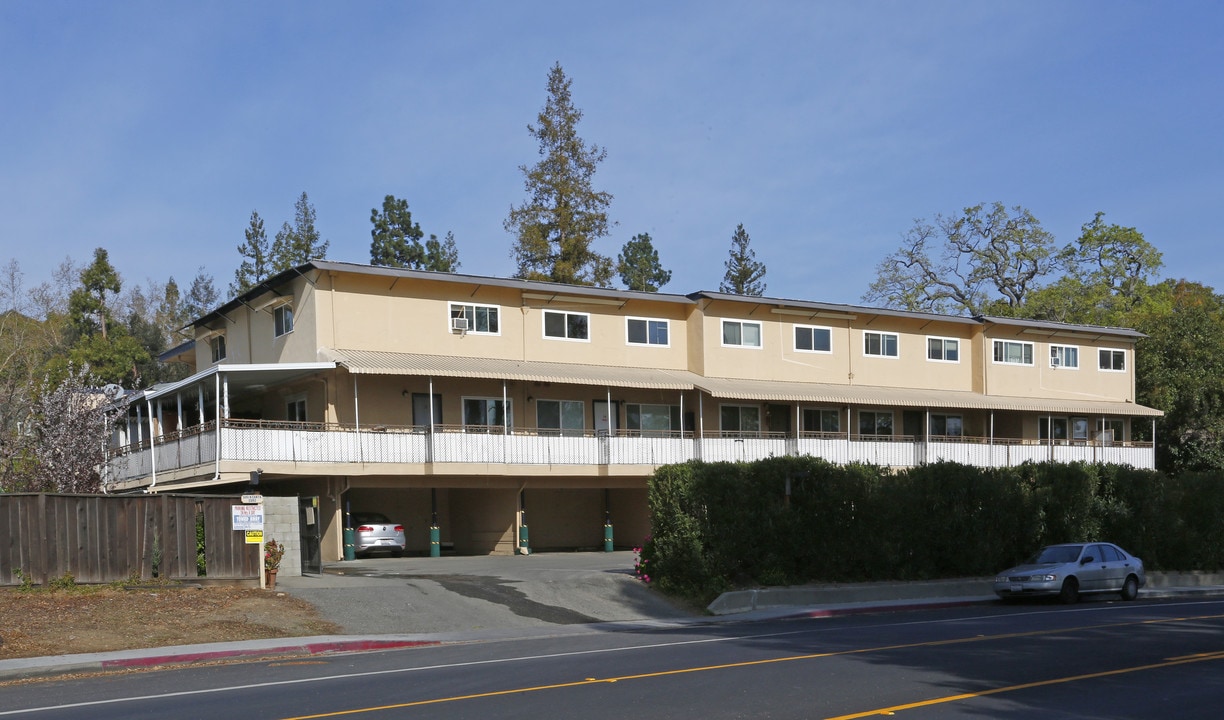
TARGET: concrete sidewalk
(564,581)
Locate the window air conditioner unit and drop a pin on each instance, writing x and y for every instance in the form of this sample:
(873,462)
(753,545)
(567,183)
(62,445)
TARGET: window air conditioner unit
(1055,362)
(459,323)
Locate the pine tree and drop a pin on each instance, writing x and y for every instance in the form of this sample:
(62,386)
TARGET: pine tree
(256,264)
(744,274)
(441,255)
(563,215)
(638,265)
(396,238)
(300,242)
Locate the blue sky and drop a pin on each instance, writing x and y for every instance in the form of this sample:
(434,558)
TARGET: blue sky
(153,129)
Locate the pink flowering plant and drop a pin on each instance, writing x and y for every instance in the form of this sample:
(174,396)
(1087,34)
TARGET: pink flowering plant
(641,561)
(274,552)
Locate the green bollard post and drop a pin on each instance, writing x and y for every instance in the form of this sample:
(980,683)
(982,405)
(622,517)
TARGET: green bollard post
(435,541)
(350,544)
(523,547)
(607,537)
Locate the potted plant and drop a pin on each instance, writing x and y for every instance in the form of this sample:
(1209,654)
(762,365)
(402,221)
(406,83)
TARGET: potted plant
(274,552)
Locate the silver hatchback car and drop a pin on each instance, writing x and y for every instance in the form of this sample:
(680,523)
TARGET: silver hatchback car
(373,531)
(1073,569)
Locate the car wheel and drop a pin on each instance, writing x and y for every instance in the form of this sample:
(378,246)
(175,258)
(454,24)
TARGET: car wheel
(1070,591)
(1130,588)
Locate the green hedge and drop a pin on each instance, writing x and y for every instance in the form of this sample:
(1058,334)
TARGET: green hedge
(716,526)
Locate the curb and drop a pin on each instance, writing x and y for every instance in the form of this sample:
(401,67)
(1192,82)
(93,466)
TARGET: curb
(25,668)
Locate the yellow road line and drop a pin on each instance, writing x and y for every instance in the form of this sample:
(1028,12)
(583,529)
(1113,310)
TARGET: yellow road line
(812,656)
(1025,686)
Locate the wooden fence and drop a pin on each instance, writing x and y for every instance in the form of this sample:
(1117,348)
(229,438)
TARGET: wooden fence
(104,538)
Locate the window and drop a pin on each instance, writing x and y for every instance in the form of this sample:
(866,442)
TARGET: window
(947,425)
(943,349)
(1013,352)
(295,408)
(217,345)
(875,423)
(643,331)
(1113,360)
(1059,428)
(564,416)
(1079,428)
(741,333)
(813,339)
(481,414)
(567,325)
(823,420)
(480,318)
(1066,356)
(1109,430)
(283,317)
(881,344)
(653,420)
(739,419)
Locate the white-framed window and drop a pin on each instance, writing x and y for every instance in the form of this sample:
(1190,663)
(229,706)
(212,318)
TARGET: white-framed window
(217,347)
(943,349)
(295,408)
(1112,360)
(947,425)
(481,319)
(283,319)
(646,331)
(480,414)
(1064,356)
(1111,430)
(741,333)
(881,344)
(1013,352)
(567,325)
(875,422)
(566,417)
(739,419)
(813,338)
(823,420)
(1079,428)
(652,420)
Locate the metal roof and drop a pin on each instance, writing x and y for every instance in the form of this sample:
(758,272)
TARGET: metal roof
(395,363)
(781,391)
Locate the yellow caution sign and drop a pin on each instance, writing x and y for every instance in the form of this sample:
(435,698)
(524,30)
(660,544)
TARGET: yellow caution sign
(254,537)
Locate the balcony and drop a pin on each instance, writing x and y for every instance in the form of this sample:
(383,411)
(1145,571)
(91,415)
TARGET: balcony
(311,447)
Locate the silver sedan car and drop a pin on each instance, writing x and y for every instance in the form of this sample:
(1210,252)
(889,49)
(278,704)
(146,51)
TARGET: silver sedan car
(373,531)
(1073,569)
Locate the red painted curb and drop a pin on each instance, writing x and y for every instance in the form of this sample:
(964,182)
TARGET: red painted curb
(305,649)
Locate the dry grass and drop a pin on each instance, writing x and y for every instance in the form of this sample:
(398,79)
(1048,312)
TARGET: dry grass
(97,619)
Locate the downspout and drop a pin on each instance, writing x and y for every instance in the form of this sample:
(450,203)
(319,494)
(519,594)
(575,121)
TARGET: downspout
(681,414)
(152,451)
(611,419)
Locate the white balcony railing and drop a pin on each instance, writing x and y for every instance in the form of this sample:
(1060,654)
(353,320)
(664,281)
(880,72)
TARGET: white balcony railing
(310,444)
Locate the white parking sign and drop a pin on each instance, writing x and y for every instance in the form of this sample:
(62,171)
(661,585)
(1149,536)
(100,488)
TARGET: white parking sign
(248,517)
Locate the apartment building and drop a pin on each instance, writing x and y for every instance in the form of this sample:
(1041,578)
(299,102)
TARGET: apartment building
(480,405)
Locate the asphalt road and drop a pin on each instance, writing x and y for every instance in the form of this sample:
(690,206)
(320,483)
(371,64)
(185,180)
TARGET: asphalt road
(1099,659)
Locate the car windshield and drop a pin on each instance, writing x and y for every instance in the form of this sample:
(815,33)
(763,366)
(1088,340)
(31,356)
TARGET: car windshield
(1056,554)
